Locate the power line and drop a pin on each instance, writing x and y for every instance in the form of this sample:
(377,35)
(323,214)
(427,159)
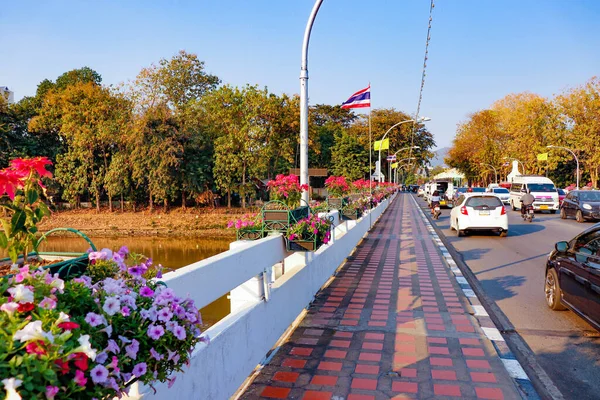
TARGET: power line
(412,139)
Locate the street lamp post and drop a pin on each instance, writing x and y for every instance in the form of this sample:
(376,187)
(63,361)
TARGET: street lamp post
(399,166)
(390,164)
(495,172)
(574,155)
(421,119)
(304,102)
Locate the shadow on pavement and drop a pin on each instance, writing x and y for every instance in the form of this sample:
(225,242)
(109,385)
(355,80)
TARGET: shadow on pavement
(474,254)
(524,229)
(511,264)
(502,288)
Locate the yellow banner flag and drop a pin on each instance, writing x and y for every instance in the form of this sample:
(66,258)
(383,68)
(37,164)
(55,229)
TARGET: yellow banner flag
(395,165)
(384,146)
(542,157)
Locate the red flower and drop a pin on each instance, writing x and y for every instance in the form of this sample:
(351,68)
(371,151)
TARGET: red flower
(10,181)
(68,325)
(26,165)
(63,365)
(25,307)
(80,360)
(36,347)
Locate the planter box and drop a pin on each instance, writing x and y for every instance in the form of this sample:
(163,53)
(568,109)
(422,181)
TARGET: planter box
(280,220)
(336,203)
(351,214)
(302,245)
(250,234)
(355,196)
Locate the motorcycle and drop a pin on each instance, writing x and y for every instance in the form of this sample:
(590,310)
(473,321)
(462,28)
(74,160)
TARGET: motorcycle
(437,211)
(528,214)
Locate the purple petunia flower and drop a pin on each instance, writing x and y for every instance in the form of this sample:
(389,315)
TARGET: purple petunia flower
(94,319)
(179,311)
(101,358)
(171,325)
(171,382)
(145,291)
(164,314)
(179,332)
(155,331)
(99,374)
(112,347)
(136,271)
(155,354)
(125,311)
(111,306)
(173,356)
(132,349)
(113,385)
(139,369)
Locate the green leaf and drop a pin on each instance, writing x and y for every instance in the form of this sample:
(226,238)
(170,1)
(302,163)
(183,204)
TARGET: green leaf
(3,240)
(45,210)
(18,221)
(13,254)
(32,196)
(6,227)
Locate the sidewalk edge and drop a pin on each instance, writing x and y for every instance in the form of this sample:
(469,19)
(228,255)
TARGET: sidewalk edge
(518,359)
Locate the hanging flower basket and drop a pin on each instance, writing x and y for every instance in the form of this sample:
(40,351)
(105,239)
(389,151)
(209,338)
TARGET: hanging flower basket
(248,227)
(302,245)
(336,203)
(250,234)
(308,234)
(277,217)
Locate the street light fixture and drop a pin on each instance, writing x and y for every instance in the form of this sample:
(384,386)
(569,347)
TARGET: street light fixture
(574,155)
(495,171)
(390,164)
(406,148)
(420,119)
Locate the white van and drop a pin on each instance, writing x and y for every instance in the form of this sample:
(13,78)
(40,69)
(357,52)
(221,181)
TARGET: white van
(542,188)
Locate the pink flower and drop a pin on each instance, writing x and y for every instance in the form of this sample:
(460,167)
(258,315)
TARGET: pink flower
(80,378)
(51,391)
(48,303)
(145,291)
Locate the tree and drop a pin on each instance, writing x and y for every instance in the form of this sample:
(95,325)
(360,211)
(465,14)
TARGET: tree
(349,157)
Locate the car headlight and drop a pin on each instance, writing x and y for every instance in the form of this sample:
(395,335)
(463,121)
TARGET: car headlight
(587,206)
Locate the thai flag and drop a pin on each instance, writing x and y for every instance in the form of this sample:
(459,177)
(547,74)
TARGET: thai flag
(360,99)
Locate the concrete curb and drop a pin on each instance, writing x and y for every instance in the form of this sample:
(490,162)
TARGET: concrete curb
(496,326)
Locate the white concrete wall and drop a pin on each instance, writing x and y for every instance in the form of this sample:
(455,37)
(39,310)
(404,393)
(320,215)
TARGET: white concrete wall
(240,341)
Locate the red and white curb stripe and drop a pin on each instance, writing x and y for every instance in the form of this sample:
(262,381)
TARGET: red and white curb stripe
(513,367)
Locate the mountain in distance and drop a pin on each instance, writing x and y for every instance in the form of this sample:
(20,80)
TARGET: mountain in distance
(440,154)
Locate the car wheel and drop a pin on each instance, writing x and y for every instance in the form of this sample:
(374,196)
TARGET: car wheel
(512,205)
(504,234)
(579,216)
(552,291)
(459,232)
(563,213)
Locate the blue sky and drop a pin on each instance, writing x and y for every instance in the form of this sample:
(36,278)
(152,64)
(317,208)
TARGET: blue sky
(480,50)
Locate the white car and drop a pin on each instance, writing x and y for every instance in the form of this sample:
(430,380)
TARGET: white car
(420,192)
(479,212)
(502,193)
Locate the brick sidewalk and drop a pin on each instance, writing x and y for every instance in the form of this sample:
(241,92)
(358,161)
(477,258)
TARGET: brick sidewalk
(392,324)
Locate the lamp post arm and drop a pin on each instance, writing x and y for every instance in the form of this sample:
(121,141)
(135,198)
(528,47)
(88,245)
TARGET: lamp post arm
(383,138)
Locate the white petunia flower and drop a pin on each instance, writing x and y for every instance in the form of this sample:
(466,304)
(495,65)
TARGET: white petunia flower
(21,294)
(11,385)
(32,331)
(85,347)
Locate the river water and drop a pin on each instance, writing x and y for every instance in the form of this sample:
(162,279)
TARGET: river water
(171,252)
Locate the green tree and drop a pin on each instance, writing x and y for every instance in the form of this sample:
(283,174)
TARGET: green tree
(349,157)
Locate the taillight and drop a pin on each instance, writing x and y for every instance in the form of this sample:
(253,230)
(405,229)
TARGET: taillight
(463,210)
(503,211)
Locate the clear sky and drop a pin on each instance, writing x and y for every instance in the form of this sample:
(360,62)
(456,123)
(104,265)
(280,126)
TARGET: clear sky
(480,50)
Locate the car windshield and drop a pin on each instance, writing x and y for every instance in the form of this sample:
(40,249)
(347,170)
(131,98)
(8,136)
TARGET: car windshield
(589,196)
(541,187)
(480,201)
(478,190)
(500,190)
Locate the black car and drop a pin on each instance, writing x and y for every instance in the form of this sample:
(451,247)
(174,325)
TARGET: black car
(573,276)
(581,204)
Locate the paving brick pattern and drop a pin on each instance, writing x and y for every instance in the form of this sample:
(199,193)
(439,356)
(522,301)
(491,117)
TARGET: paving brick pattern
(392,324)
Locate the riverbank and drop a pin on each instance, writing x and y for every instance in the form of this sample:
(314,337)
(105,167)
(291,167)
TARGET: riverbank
(188,223)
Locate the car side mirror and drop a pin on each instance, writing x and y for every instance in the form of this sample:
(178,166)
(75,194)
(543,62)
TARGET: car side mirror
(561,247)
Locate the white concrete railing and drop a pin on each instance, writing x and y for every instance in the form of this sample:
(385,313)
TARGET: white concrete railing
(262,307)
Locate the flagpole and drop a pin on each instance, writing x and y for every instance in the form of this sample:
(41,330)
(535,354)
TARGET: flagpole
(370,155)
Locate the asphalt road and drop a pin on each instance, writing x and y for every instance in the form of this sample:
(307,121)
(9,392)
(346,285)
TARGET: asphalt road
(511,272)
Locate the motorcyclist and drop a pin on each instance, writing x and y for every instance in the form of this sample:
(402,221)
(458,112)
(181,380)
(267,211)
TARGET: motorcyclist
(435,200)
(526,200)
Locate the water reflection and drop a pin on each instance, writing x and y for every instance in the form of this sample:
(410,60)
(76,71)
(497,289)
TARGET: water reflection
(171,252)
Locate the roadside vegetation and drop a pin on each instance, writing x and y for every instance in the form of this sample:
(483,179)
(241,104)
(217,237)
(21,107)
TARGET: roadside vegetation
(520,126)
(176,136)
